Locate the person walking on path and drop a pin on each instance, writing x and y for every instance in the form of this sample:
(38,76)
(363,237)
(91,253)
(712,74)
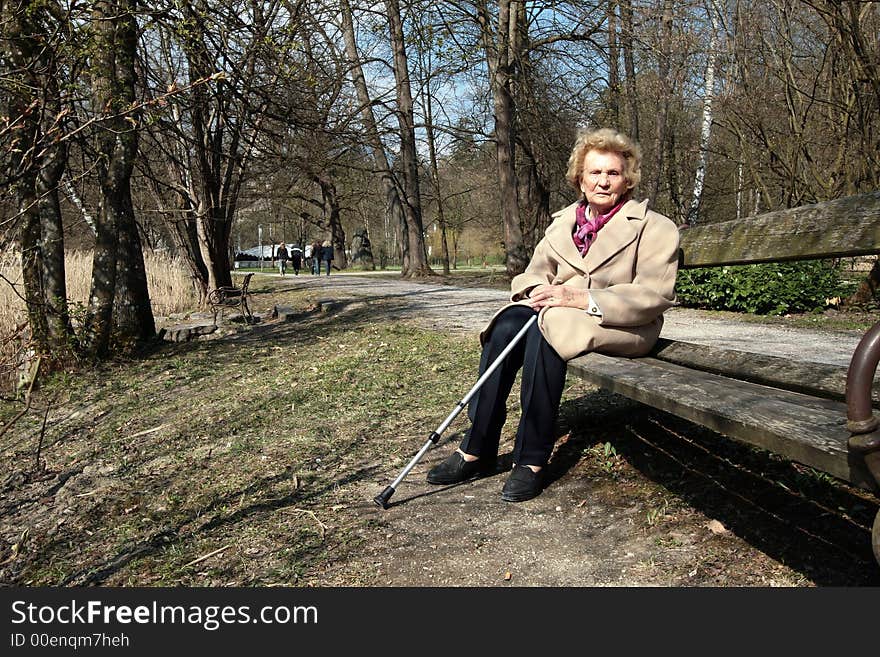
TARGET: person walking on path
(296,256)
(599,280)
(316,258)
(281,255)
(326,255)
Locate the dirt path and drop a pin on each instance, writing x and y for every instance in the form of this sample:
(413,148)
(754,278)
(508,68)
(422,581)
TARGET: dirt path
(636,497)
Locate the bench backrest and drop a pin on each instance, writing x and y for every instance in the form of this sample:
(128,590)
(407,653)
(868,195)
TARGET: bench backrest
(246,282)
(847,226)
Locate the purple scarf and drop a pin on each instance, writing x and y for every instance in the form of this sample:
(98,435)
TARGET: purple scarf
(586,229)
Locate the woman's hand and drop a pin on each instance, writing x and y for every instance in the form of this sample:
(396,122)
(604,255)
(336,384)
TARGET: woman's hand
(547,296)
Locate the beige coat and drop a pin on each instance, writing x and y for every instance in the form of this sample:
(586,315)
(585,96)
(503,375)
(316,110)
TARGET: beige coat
(630,271)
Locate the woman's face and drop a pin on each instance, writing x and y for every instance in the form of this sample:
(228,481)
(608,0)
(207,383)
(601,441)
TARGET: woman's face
(602,180)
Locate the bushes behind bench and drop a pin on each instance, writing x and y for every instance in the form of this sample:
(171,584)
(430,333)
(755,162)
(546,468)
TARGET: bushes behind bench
(764,289)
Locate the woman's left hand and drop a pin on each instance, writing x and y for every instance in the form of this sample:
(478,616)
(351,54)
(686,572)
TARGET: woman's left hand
(548,296)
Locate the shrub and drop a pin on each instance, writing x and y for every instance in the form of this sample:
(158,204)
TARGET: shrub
(764,289)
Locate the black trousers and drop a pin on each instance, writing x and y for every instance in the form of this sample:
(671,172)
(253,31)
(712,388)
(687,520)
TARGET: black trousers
(543,379)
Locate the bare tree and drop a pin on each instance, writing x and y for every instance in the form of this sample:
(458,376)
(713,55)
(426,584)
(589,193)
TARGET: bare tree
(632,98)
(117,268)
(706,124)
(417,264)
(500,42)
(36,156)
(393,203)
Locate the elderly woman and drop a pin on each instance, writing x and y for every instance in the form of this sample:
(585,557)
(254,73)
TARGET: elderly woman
(599,280)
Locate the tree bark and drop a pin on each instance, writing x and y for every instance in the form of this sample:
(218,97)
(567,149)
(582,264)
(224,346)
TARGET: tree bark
(332,213)
(99,319)
(706,127)
(418,255)
(632,96)
(23,107)
(52,231)
(118,279)
(499,46)
(663,73)
(613,59)
(133,318)
(435,173)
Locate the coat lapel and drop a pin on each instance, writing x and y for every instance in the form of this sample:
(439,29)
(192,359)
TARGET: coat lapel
(559,237)
(616,235)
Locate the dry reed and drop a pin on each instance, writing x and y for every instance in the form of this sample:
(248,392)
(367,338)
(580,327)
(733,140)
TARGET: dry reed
(168,282)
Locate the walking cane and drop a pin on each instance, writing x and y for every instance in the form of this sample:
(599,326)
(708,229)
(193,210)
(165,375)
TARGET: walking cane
(382,498)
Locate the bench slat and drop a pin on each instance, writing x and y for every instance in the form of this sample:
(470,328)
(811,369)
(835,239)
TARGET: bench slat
(804,429)
(818,379)
(847,226)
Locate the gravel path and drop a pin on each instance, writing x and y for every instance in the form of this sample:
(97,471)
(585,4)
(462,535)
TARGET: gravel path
(448,307)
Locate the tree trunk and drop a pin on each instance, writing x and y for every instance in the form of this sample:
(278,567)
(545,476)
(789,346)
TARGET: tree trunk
(418,255)
(52,237)
(393,203)
(211,155)
(331,209)
(632,96)
(133,312)
(114,40)
(502,70)
(665,46)
(867,290)
(32,261)
(435,174)
(22,106)
(537,201)
(613,59)
(133,318)
(706,128)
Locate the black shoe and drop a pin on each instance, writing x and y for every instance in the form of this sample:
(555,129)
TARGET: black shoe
(522,484)
(455,469)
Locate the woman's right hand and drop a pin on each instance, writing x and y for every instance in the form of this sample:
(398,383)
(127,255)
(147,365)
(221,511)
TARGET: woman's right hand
(548,296)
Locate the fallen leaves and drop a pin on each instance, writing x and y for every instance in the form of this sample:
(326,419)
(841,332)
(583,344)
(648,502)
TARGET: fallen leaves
(716,528)
(17,548)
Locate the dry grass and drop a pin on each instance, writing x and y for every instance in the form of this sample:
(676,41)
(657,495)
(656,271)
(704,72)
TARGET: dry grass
(260,441)
(168,282)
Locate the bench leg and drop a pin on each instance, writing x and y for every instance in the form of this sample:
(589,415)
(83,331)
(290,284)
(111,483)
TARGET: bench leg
(872,460)
(875,537)
(868,446)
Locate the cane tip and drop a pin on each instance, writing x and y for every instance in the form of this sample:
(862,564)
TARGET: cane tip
(382,498)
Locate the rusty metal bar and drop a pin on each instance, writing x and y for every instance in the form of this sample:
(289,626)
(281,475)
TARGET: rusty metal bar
(859,378)
(865,438)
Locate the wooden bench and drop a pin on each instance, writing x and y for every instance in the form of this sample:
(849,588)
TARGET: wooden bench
(814,414)
(231,297)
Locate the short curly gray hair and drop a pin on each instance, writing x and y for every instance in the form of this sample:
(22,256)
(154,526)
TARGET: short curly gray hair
(605,140)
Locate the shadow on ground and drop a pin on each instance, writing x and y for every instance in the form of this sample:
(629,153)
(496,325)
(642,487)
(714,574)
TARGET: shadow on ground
(807,520)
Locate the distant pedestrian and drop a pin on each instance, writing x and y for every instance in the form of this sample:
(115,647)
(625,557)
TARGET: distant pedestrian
(281,255)
(326,255)
(316,258)
(296,257)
